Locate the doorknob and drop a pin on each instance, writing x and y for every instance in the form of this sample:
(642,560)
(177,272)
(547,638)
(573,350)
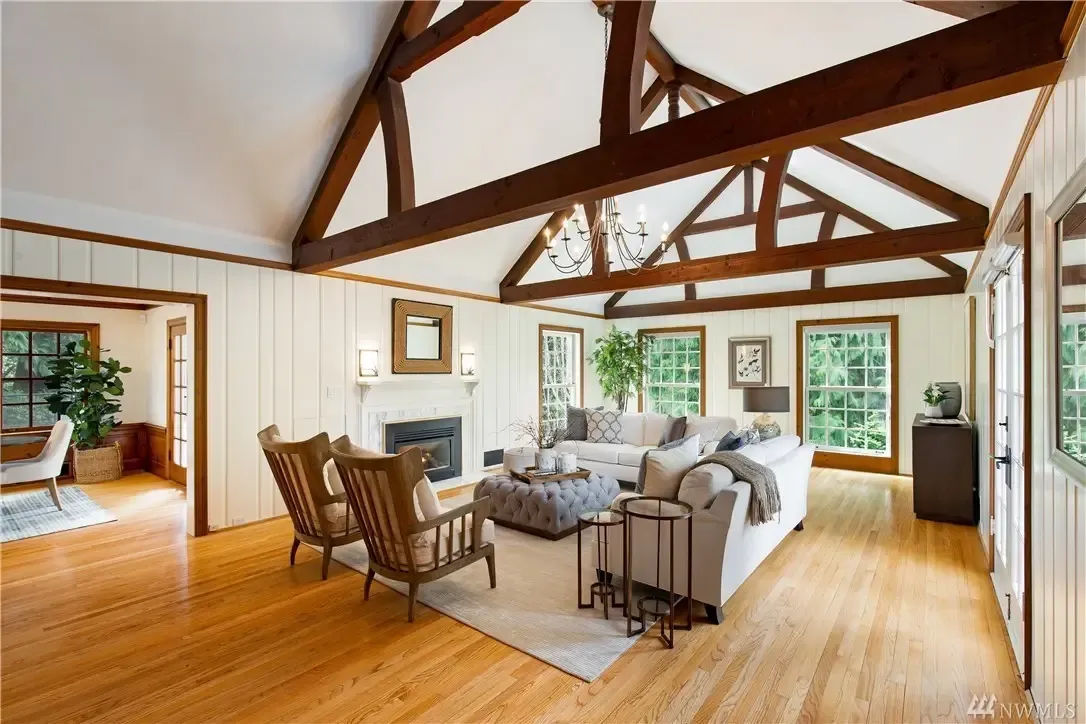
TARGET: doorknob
(1001,460)
(1008,605)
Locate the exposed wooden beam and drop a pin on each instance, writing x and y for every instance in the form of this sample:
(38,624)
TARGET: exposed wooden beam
(472,18)
(769,206)
(1002,53)
(1074,275)
(912,184)
(748,190)
(829,295)
(965,9)
(946,265)
(680,230)
(601,265)
(398,164)
(75,302)
(535,248)
(828,201)
(949,237)
(361,125)
(624,74)
(751,218)
(825,231)
(651,99)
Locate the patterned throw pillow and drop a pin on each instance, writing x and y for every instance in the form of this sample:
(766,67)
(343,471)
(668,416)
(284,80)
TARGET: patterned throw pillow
(577,422)
(604,426)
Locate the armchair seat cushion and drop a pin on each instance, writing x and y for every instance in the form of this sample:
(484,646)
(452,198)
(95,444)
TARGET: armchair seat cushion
(422,544)
(343,520)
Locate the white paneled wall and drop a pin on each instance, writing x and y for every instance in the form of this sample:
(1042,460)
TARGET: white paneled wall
(1059,503)
(282,347)
(931,347)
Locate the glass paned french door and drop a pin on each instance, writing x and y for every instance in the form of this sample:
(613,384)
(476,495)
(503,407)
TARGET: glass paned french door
(177,398)
(1010,474)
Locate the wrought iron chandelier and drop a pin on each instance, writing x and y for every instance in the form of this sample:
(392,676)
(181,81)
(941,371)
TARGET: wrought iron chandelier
(626,245)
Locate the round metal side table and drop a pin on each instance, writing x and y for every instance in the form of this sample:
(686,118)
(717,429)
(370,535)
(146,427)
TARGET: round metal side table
(602,521)
(655,606)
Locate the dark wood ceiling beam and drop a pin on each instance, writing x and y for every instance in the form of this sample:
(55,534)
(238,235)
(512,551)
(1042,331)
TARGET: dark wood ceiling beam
(769,206)
(1074,275)
(398,163)
(825,231)
(601,265)
(828,201)
(964,9)
(852,293)
(949,237)
(412,18)
(472,18)
(624,73)
(911,184)
(946,265)
(751,218)
(536,247)
(680,230)
(748,190)
(1002,53)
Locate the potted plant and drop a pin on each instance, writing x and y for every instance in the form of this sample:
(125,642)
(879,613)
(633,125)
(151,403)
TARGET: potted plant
(619,359)
(85,389)
(933,397)
(542,437)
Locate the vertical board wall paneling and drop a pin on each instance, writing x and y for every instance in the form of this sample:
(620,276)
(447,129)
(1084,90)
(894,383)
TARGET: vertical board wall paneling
(154,269)
(34,255)
(211,281)
(266,384)
(332,344)
(114,265)
(75,261)
(6,251)
(282,366)
(306,387)
(242,392)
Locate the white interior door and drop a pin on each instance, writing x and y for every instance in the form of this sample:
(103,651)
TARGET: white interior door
(1009,384)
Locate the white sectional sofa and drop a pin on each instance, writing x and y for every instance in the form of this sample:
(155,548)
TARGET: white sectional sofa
(640,432)
(727,548)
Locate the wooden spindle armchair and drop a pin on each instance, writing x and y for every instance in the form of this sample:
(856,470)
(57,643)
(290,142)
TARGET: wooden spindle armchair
(321,516)
(402,544)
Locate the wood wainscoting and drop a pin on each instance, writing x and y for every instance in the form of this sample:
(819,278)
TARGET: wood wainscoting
(135,438)
(157,450)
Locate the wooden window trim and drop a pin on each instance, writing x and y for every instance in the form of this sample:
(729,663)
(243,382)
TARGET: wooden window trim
(91,329)
(579,331)
(845,461)
(699,329)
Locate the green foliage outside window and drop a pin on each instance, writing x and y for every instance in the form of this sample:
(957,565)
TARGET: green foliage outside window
(1073,389)
(848,390)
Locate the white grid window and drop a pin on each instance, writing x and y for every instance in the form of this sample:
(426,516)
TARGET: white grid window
(847,388)
(560,383)
(1073,387)
(673,374)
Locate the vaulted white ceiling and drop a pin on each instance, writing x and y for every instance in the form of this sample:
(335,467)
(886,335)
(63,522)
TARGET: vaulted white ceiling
(208,124)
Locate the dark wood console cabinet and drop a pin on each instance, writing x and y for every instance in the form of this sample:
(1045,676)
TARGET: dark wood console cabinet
(945,472)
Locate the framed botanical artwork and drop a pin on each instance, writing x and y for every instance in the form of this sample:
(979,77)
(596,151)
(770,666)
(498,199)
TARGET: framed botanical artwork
(748,362)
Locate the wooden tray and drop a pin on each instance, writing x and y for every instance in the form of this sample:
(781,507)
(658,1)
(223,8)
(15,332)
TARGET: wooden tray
(530,476)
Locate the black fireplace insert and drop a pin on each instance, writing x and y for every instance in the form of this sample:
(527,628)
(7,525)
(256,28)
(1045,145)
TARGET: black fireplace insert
(439,439)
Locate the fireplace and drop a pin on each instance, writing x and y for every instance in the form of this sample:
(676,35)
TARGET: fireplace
(438,438)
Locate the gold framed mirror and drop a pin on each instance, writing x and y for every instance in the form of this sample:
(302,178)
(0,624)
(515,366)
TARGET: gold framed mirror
(421,338)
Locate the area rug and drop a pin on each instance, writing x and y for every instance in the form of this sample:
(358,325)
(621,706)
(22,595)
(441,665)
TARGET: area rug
(30,514)
(533,609)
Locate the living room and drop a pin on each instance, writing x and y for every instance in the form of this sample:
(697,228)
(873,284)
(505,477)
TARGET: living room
(772,413)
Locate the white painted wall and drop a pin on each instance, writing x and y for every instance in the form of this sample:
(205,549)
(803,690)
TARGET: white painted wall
(282,348)
(931,347)
(121,331)
(1059,503)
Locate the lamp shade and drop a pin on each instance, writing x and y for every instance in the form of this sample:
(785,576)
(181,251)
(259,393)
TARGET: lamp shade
(765,399)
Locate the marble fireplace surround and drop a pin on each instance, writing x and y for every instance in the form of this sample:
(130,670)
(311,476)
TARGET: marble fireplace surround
(420,398)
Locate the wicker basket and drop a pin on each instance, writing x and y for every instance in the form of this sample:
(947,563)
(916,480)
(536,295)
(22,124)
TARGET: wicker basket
(98,465)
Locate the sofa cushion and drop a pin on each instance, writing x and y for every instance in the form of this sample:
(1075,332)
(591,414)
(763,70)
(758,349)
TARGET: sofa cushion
(633,429)
(655,424)
(599,451)
(674,429)
(604,426)
(709,428)
(630,455)
(664,469)
(700,486)
(777,447)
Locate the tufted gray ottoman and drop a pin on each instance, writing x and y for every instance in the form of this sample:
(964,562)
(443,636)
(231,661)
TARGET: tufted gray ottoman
(548,510)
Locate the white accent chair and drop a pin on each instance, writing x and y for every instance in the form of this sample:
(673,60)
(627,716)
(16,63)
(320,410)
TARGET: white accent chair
(46,466)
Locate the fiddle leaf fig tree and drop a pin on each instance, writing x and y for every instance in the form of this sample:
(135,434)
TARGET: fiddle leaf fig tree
(619,359)
(86,390)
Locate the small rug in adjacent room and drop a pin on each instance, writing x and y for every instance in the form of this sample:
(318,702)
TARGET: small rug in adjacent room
(30,514)
(533,609)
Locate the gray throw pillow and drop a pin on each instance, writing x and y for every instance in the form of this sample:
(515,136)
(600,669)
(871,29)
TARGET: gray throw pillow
(674,429)
(731,441)
(577,422)
(641,471)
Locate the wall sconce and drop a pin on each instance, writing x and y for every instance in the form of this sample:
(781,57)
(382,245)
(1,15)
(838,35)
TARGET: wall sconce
(367,363)
(467,364)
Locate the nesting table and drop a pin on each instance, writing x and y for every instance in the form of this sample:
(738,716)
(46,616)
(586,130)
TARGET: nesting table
(602,520)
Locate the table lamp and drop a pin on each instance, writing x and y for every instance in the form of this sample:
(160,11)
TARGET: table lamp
(765,400)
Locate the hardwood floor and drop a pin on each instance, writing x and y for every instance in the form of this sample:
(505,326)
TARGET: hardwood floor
(866,615)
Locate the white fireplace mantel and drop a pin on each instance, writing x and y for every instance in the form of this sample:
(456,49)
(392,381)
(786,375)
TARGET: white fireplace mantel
(425,382)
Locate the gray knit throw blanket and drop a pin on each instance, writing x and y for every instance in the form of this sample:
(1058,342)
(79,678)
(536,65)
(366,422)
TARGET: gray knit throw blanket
(765,499)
